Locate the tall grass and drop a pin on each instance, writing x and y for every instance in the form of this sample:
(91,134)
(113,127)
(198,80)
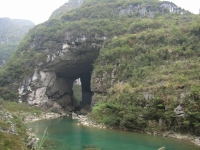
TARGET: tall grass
(44,137)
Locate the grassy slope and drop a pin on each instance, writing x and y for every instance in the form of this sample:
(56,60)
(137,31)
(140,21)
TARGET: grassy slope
(160,57)
(10,141)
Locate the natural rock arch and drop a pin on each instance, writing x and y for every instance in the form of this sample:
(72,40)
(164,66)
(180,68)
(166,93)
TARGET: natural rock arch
(51,85)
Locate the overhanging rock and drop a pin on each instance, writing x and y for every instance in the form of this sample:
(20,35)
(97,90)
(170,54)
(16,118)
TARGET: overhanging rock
(72,59)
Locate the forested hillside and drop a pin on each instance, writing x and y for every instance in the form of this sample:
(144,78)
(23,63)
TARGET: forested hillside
(147,74)
(149,78)
(12,32)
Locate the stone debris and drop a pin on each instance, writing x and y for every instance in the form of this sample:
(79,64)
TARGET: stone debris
(85,121)
(50,115)
(197,141)
(7,117)
(33,144)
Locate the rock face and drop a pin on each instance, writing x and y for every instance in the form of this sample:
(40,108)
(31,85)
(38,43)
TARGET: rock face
(179,111)
(165,7)
(68,59)
(71,60)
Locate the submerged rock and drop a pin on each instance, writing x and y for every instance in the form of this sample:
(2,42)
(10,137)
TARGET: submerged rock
(162,148)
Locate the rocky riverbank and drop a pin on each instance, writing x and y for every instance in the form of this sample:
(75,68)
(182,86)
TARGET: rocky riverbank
(85,121)
(32,138)
(44,115)
(7,124)
(186,137)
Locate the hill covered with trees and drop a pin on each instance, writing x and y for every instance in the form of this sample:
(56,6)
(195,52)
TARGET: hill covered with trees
(146,75)
(12,31)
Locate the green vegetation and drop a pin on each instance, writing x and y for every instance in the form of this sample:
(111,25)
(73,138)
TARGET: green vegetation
(12,141)
(12,32)
(158,58)
(150,65)
(17,111)
(16,107)
(93,17)
(77,93)
(8,141)
(43,139)
(127,108)
(6,50)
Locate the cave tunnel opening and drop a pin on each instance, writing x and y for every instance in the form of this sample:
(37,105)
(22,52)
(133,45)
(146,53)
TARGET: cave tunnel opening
(70,73)
(82,94)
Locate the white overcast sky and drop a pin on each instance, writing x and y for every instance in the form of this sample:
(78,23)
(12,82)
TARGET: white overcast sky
(39,11)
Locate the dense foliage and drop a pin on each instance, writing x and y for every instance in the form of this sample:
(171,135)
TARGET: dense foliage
(149,71)
(77,94)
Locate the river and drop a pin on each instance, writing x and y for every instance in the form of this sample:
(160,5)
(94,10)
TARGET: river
(65,134)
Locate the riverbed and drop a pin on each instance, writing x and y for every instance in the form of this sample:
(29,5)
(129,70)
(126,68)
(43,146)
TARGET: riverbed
(65,134)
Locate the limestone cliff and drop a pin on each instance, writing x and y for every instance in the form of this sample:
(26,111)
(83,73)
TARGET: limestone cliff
(72,59)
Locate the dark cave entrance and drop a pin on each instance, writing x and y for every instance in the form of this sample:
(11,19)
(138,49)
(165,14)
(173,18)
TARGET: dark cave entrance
(61,93)
(82,94)
(86,89)
(71,71)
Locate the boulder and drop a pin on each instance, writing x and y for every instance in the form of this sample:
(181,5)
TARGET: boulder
(32,144)
(179,111)
(85,110)
(50,103)
(12,130)
(74,115)
(57,108)
(56,105)
(69,108)
(64,101)
(197,141)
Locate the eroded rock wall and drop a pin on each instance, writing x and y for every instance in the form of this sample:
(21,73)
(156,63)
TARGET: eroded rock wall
(51,84)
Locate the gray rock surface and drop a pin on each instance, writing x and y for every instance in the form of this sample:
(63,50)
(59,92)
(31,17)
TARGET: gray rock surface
(197,141)
(70,60)
(74,115)
(85,110)
(12,130)
(165,7)
(32,144)
(179,111)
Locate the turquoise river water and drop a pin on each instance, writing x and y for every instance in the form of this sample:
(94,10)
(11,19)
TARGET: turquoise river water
(65,134)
